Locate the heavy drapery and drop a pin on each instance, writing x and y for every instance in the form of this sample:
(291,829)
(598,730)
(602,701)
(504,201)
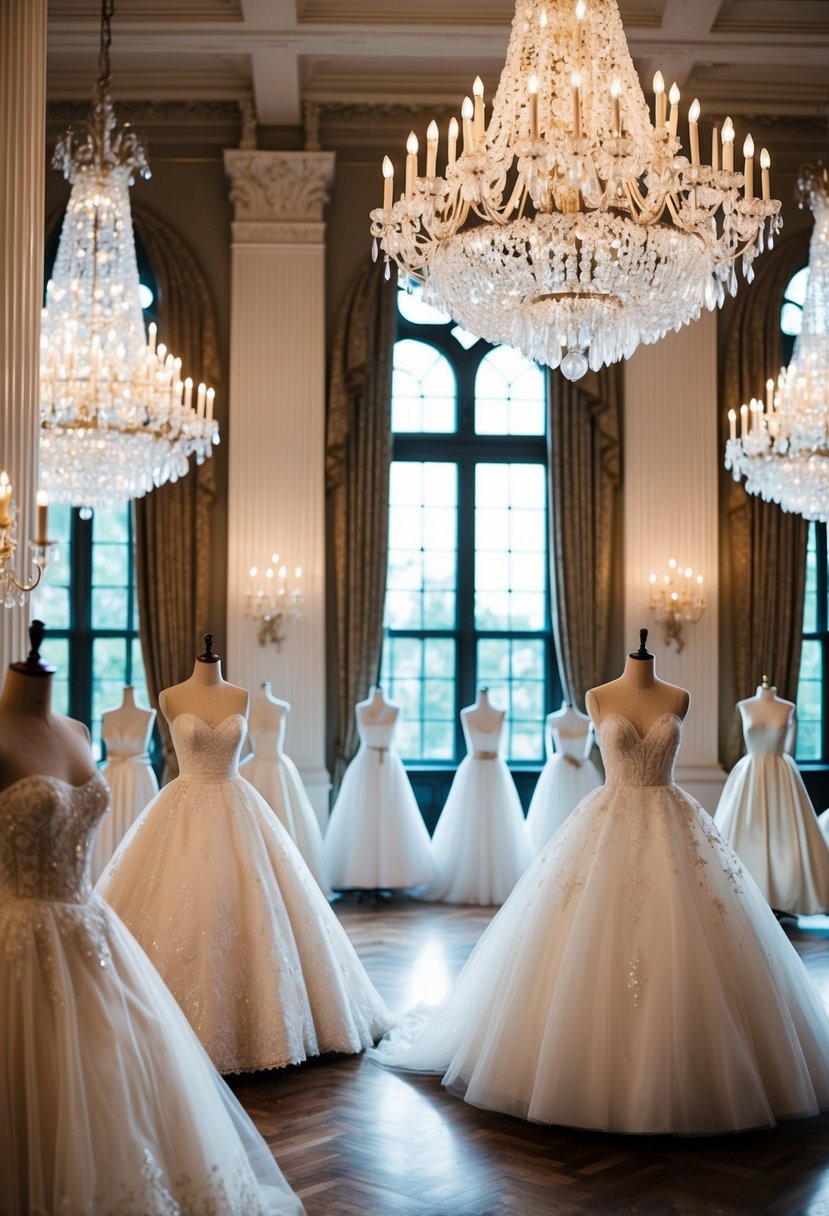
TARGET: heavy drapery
(358,457)
(585,461)
(172,541)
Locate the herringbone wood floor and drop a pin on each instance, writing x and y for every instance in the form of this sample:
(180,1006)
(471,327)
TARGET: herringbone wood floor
(355,1140)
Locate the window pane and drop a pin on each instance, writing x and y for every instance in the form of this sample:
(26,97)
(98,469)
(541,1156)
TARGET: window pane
(510,395)
(510,547)
(56,652)
(111,525)
(810,602)
(424,390)
(411,306)
(419,676)
(810,703)
(514,670)
(423,531)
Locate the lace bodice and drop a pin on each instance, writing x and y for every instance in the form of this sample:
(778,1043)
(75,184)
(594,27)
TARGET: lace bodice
(571,746)
(376,734)
(630,759)
(482,744)
(765,739)
(208,753)
(123,744)
(46,828)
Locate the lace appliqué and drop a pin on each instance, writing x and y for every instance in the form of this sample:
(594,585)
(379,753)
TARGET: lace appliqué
(36,933)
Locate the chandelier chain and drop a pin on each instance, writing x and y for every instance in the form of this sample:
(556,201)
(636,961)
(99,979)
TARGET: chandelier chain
(104,70)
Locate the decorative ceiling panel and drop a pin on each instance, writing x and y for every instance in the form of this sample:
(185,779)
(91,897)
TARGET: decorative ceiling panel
(441,13)
(148,11)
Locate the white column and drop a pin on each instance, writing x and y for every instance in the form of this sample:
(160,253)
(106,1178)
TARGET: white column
(672,461)
(276,440)
(22,156)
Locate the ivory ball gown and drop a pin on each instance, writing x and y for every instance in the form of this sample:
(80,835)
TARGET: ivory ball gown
(133,784)
(636,980)
(565,779)
(216,892)
(109,1105)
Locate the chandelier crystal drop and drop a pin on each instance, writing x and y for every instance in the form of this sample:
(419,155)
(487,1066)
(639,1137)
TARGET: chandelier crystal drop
(783,447)
(569,226)
(117,419)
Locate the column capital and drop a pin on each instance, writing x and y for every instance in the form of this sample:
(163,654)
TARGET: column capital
(278,197)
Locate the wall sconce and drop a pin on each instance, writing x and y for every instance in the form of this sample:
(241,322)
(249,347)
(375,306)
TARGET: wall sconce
(677,600)
(12,591)
(275,603)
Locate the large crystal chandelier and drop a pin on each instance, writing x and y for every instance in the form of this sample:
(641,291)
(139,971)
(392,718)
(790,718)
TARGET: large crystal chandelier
(569,226)
(116,417)
(783,447)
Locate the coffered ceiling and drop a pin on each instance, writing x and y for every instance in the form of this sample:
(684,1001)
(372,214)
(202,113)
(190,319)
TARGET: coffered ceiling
(750,57)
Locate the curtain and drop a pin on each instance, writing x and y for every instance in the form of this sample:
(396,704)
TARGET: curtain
(172,541)
(767,546)
(358,457)
(585,461)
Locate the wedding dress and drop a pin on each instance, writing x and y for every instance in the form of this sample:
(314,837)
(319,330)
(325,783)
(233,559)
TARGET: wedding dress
(481,844)
(132,783)
(566,778)
(276,778)
(214,889)
(376,837)
(767,817)
(636,980)
(109,1105)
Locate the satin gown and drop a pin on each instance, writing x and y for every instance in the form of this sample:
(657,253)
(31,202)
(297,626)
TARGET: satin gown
(109,1105)
(276,778)
(376,837)
(481,844)
(767,817)
(132,783)
(216,892)
(566,778)
(636,980)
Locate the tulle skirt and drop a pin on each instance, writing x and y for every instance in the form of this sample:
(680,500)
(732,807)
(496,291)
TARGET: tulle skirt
(376,836)
(108,1104)
(132,784)
(215,891)
(560,788)
(278,781)
(635,981)
(766,816)
(481,844)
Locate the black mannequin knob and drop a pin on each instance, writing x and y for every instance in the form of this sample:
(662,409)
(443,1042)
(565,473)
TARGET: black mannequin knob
(642,652)
(208,655)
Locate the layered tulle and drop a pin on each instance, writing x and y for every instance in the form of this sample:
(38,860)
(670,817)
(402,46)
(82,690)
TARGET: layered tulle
(376,836)
(766,816)
(108,1104)
(215,891)
(635,981)
(276,778)
(481,845)
(563,782)
(133,785)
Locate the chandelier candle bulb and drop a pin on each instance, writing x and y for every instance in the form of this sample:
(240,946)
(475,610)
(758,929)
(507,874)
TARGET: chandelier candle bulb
(693,131)
(211,397)
(765,165)
(748,153)
(42,537)
(388,183)
(743,421)
(452,142)
(467,110)
(431,149)
(478,94)
(732,425)
(152,332)
(715,149)
(188,393)
(769,395)
(575,81)
(659,101)
(728,146)
(411,163)
(200,400)
(674,99)
(532,92)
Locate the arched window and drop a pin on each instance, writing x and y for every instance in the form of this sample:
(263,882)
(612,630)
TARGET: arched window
(813,725)
(87,597)
(467,600)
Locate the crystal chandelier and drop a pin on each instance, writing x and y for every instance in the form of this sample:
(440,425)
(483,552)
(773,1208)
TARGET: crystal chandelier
(569,226)
(117,419)
(783,447)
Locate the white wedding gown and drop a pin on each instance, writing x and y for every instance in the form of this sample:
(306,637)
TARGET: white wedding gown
(376,837)
(566,778)
(481,844)
(767,817)
(636,980)
(132,783)
(214,889)
(276,778)
(109,1105)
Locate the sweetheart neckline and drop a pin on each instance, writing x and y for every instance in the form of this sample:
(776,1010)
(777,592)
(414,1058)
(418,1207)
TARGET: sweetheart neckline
(187,713)
(614,713)
(49,777)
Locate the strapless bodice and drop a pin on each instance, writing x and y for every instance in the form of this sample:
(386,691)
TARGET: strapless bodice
(123,744)
(572,747)
(46,828)
(379,734)
(630,759)
(208,753)
(266,741)
(482,744)
(765,739)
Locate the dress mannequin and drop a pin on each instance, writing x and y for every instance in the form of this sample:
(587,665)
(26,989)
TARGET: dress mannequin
(218,895)
(376,838)
(126,732)
(86,1025)
(275,776)
(567,776)
(481,843)
(636,980)
(765,812)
